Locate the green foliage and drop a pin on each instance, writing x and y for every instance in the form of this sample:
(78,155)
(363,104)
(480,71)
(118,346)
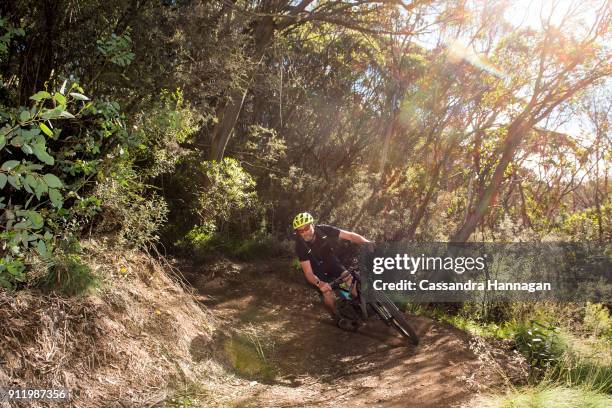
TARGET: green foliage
(583,225)
(12,272)
(7,33)
(69,275)
(65,163)
(547,395)
(202,243)
(542,344)
(231,190)
(161,129)
(597,320)
(117,49)
(131,213)
(210,198)
(38,179)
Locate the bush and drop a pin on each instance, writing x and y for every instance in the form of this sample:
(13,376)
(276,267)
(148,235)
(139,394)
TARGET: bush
(597,320)
(203,243)
(128,210)
(213,206)
(69,275)
(542,344)
(69,164)
(49,152)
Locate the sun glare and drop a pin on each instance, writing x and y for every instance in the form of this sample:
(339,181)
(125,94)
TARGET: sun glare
(568,15)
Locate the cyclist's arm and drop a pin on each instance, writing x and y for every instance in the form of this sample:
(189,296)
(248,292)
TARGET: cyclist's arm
(353,237)
(310,276)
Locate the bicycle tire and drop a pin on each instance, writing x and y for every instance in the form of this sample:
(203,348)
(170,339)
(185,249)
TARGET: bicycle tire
(398,319)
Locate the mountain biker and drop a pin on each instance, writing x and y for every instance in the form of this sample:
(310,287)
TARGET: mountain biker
(320,265)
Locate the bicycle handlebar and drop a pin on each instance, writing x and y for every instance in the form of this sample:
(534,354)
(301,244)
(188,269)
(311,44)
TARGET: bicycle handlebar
(340,279)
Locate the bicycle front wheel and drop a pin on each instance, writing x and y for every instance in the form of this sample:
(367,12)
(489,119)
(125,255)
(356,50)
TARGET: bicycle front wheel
(396,318)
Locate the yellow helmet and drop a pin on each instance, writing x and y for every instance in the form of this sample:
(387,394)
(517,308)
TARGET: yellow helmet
(302,219)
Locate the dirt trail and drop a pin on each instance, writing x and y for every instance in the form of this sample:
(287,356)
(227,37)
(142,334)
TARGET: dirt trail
(316,364)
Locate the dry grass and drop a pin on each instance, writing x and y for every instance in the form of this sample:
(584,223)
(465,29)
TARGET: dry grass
(130,343)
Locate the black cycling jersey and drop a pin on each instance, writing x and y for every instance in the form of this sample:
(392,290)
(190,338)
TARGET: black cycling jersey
(320,252)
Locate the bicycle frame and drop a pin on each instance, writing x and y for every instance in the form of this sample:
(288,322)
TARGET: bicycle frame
(356,282)
(381,305)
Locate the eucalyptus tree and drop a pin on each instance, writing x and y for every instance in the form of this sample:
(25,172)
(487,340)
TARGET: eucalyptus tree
(547,69)
(264,20)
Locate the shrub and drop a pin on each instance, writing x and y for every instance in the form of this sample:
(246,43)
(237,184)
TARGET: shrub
(49,152)
(597,320)
(541,344)
(67,164)
(161,129)
(212,205)
(203,243)
(128,210)
(69,275)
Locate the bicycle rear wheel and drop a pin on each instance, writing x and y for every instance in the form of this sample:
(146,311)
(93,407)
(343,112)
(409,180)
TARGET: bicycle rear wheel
(391,314)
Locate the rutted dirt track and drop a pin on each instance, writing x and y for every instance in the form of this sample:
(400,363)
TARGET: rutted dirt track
(317,364)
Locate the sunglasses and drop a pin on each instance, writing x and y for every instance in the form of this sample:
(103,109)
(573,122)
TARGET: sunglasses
(303,229)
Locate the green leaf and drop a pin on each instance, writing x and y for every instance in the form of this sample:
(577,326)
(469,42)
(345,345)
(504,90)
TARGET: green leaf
(59,98)
(24,116)
(41,248)
(18,140)
(79,96)
(10,165)
(3,179)
(27,188)
(40,95)
(14,181)
(52,181)
(56,198)
(41,188)
(66,114)
(27,149)
(2,141)
(31,181)
(22,225)
(36,219)
(42,155)
(46,129)
(52,113)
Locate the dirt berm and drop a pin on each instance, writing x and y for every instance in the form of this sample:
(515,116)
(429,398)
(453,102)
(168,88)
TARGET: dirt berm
(250,335)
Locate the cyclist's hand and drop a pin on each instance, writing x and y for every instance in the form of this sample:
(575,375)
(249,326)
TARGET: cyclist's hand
(324,287)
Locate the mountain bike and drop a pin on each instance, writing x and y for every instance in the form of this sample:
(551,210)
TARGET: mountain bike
(356,309)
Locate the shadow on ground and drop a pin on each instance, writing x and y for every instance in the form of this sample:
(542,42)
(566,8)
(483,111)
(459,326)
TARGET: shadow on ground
(306,361)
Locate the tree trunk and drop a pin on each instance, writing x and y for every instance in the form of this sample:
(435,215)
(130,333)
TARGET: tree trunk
(229,111)
(515,135)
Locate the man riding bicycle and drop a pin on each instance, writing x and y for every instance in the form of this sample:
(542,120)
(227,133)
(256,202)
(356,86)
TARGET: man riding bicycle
(320,265)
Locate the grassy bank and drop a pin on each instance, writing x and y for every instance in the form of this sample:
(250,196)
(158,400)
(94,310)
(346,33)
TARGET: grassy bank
(568,348)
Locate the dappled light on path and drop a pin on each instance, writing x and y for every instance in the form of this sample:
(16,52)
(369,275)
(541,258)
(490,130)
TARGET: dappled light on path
(305,360)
